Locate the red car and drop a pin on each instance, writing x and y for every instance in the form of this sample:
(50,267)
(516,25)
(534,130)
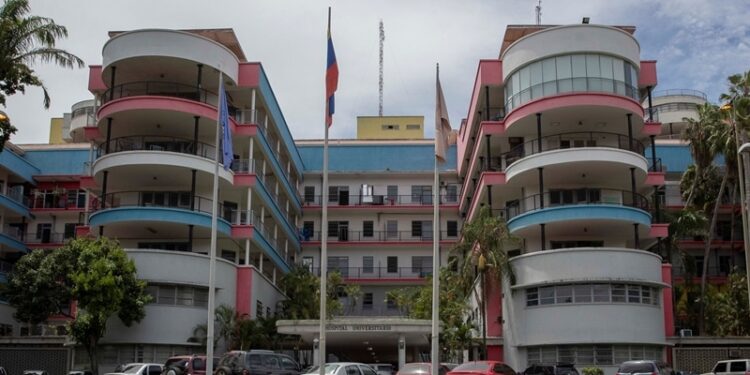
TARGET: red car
(483,368)
(420,368)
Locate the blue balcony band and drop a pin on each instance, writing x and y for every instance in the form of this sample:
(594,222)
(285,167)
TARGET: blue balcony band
(580,212)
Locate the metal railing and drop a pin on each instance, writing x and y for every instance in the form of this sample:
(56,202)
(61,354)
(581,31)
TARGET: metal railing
(157,88)
(249,116)
(679,92)
(343,235)
(13,232)
(157,143)
(378,272)
(574,197)
(56,201)
(379,200)
(169,199)
(16,193)
(566,85)
(655,165)
(46,237)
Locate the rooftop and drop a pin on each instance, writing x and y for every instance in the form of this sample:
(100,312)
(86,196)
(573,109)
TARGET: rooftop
(515,32)
(225,37)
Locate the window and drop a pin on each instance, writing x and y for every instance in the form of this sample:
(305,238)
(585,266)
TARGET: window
(170,246)
(389,127)
(368,228)
(309,194)
(416,228)
(338,194)
(451,193)
(392,264)
(532,297)
(44,232)
(421,194)
(452,227)
(564,293)
(391,229)
(352,370)
(421,265)
(308,230)
(229,255)
(618,293)
(720,367)
(634,294)
(582,293)
(412,127)
(308,262)
(340,264)
(258,308)
(288,364)
(367,264)
(367,301)
(421,229)
(70,230)
(77,198)
(601,292)
(547,295)
(392,193)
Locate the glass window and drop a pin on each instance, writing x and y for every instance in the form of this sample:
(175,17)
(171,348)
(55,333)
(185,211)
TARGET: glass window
(549,354)
(564,294)
(737,366)
(720,367)
(452,227)
(288,364)
(582,293)
(621,353)
(646,295)
(603,355)
(367,301)
(634,293)
(167,295)
(367,264)
(392,264)
(579,65)
(585,355)
(368,228)
(618,293)
(566,354)
(547,295)
(601,292)
(391,228)
(535,71)
(532,297)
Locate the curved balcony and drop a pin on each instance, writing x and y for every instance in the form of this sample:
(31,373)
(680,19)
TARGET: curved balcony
(680,92)
(148,52)
(160,88)
(580,204)
(612,270)
(161,152)
(566,148)
(165,207)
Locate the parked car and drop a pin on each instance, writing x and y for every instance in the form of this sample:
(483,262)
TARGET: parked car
(73,372)
(483,367)
(2,371)
(139,369)
(256,362)
(731,367)
(420,368)
(383,368)
(556,369)
(343,368)
(645,366)
(186,365)
(450,366)
(35,372)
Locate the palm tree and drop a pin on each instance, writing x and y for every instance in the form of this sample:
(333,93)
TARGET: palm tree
(25,40)
(721,141)
(483,247)
(696,133)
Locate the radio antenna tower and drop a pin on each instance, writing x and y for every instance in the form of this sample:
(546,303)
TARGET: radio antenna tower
(539,13)
(380,79)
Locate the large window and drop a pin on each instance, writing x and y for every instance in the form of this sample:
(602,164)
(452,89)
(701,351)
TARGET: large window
(178,295)
(571,73)
(602,355)
(592,293)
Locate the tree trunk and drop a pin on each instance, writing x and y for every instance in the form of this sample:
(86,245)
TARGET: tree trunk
(689,200)
(733,216)
(707,253)
(92,350)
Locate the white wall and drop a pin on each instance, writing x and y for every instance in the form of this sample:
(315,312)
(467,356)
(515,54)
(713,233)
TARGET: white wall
(570,39)
(265,292)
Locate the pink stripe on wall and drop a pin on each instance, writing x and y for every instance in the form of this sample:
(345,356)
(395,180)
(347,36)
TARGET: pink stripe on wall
(244,290)
(95,79)
(494,307)
(249,75)
(666,277)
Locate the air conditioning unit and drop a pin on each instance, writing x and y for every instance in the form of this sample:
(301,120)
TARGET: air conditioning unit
(686,333)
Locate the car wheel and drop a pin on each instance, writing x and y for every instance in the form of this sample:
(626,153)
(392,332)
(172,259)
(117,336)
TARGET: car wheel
(221,372)
(173,371)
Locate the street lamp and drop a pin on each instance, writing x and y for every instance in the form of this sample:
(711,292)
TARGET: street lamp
(4,116)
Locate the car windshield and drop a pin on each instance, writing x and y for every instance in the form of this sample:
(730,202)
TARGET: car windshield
(132,369)
(330,369)
(473,366)
(636,367)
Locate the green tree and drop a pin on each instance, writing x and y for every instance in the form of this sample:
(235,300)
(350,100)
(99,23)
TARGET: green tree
(696,133)
(729,311)
(25,40)
(483,246)
(302,290)
(96,273)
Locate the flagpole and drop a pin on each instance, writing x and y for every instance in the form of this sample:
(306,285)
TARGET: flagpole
(324,241)
(434,353)
(212,251)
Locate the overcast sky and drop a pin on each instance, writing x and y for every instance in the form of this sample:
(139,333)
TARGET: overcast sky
(697,43)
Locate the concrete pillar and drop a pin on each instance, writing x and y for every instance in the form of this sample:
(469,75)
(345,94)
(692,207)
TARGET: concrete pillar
(401,351)
(260,263)
(273,278)
(253,115)
(247,252)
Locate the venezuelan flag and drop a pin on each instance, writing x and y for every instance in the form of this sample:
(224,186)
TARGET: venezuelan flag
(332,78)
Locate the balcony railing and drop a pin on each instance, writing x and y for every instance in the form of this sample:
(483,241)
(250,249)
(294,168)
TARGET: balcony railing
(679,92)
(155,88)
(53,201)
(582,196)
(380,200)
(343,235)
(180,200)
(157,143)
(249,116)
(46,237)
(378,272)
(559,142)
(16,193)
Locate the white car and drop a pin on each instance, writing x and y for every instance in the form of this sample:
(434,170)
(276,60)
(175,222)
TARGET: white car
(343,368)
(140,369)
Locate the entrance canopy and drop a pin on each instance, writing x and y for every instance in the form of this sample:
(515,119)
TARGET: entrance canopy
(366,339)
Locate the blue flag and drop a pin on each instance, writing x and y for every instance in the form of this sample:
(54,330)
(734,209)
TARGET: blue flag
(226,135)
